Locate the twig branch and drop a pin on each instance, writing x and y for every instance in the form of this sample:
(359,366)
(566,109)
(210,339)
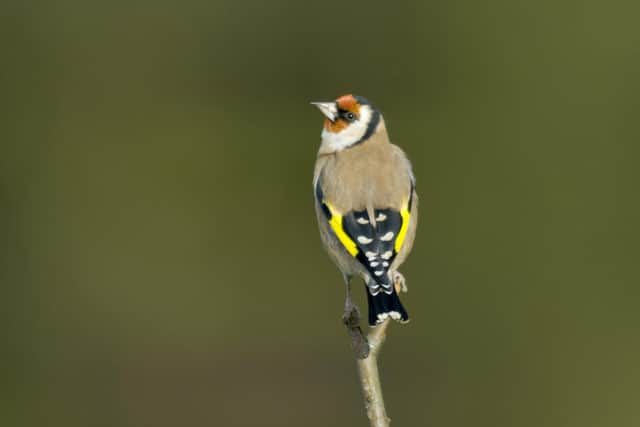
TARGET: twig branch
(366,350)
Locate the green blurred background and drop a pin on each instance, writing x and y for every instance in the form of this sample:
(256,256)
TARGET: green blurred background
(160,261)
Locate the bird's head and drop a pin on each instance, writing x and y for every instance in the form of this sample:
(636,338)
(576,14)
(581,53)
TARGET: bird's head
(350,120)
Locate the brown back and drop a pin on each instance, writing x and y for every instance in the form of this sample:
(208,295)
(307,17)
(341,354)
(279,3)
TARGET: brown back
(372,175)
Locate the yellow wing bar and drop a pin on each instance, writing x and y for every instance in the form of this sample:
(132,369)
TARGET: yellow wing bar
(336,225)
(404,213)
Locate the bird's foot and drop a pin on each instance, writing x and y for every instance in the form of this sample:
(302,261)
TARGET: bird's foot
(351,319)
(399,282)
(351,315)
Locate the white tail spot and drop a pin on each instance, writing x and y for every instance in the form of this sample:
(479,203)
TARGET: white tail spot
(387,237)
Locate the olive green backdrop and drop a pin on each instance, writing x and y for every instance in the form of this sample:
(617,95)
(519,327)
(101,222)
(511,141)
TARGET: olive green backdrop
(159,258)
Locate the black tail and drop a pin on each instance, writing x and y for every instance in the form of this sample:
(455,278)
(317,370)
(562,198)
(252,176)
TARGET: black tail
(383,305)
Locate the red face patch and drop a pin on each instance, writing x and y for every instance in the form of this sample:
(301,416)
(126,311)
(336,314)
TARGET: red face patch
(336,126)
(348,103)
(345,103)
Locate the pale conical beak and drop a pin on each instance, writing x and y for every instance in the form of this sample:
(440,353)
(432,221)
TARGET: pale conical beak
(329,109)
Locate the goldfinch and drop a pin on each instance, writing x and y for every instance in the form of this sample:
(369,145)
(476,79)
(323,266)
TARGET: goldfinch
(366,203)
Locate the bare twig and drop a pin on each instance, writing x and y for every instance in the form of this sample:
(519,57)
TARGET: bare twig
(366,350)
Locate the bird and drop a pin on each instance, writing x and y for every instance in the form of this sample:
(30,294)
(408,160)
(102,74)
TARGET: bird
(366,204)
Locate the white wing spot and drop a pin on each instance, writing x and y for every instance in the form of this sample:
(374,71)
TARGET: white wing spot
(362,220)
(374,264)
(381,217)
(364,240)
(384,264)
(386,255)
(387,237)
(370,254)
(378,273)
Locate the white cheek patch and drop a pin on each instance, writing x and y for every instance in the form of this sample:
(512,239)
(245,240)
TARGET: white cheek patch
(336,141)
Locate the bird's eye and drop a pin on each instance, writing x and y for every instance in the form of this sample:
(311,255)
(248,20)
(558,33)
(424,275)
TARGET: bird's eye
(351,117)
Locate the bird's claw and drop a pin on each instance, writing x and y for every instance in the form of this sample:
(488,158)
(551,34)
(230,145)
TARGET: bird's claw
(399,282)
(351,316)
